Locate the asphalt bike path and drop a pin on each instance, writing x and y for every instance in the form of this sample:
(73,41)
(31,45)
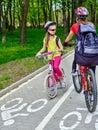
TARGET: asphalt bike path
(27,107)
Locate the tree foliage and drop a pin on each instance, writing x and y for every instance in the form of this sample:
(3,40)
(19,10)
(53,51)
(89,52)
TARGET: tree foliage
(14,14)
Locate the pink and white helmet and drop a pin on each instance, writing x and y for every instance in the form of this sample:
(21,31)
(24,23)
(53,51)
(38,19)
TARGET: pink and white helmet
(48,24)
(81,12)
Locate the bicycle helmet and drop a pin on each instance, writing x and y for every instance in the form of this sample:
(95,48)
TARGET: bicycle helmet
(81,12)
(48,24)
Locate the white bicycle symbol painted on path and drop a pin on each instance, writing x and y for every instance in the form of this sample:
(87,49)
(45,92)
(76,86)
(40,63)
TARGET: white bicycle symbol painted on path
(7,113)
(87,120)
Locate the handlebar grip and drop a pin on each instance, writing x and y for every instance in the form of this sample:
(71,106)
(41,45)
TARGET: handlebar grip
(66,44)
(40,57)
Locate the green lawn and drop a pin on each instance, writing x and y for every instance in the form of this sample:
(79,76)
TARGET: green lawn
(12,49)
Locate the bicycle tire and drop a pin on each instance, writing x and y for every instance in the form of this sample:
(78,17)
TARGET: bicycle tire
(91,93)
(77,80)
(50,86)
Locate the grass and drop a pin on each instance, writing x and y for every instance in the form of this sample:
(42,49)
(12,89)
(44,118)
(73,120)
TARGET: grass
(12,50)
(17,61)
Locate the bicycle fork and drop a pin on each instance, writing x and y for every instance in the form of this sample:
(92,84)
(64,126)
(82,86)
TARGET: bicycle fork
(51,73)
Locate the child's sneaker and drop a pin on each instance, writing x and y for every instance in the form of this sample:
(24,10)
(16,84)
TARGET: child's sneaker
(63,84)
(74,72)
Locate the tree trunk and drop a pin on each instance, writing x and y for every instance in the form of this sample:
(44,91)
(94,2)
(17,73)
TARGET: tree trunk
(93,12)
(43,2)
(0,14)
(64,16)
(4,29)
(73,11)
(50,10)
(38,14)
(68,20)
(23,26)
(10,14)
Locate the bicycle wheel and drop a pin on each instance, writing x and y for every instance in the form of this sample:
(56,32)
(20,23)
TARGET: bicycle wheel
(77,80)
(50,86)
(91,93)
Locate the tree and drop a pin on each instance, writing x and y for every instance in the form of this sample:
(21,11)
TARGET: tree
(24,20)
(64,16)
(14,12)
(0,12)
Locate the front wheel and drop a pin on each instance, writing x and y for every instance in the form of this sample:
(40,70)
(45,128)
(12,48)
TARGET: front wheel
(50,86)
(91,92)
(77,80)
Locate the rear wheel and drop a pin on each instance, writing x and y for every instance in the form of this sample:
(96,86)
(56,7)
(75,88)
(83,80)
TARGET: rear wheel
(77,80)
(91,93)
(50,86)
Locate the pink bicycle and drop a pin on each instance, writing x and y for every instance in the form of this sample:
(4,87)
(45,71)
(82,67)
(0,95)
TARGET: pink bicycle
(51,78)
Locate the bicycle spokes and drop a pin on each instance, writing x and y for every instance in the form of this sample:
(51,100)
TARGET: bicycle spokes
(91,91)
(50,85)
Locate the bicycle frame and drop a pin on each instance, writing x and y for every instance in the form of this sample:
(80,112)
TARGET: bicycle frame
(83,74)
(83,70)
(50,63)
(51,72)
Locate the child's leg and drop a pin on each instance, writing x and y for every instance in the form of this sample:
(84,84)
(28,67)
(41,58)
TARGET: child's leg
(57,61)
(57,70)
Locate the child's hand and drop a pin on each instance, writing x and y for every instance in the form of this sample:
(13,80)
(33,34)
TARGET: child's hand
(60,50)
(65,44)
(38,54)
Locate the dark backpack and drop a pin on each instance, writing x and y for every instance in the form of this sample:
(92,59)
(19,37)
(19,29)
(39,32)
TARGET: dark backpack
(57,39)
(87,40)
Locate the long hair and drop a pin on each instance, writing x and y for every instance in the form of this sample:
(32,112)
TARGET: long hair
(46,38)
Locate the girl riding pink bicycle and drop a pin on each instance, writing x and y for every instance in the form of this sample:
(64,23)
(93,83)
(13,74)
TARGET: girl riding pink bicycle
(51,44)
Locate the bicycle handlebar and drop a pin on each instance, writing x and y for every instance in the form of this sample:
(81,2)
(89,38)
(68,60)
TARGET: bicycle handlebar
(47,53)
(66,44)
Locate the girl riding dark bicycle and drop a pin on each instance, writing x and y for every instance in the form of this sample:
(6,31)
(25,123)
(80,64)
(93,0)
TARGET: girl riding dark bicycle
(50,43)
(85,57)
(81,18)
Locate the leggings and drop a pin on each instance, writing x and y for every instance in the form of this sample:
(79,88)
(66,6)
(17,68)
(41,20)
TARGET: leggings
(55,63)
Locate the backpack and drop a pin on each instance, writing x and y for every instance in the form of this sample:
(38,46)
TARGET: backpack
(57,39)
(87,40)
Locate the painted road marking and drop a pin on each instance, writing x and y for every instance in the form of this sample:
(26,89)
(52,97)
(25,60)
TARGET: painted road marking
(54,109)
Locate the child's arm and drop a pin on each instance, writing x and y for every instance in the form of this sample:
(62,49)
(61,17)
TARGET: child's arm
(69,37)
(60,45)
(42,50)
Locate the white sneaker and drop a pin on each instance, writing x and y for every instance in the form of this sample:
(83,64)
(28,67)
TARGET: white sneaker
(63,84)
(74,73)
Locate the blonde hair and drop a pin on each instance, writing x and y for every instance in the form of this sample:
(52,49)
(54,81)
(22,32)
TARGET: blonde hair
(46,39)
